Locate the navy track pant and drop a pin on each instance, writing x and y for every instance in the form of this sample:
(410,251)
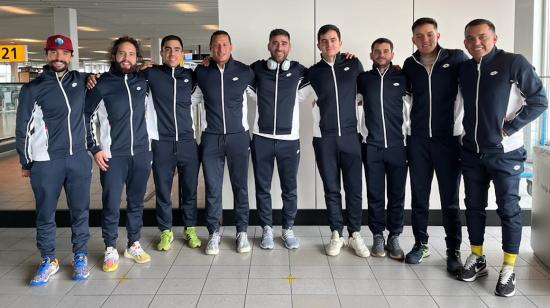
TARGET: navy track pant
(442,155)
(168,156)
(385,165)
(287,153)
(504,169)
(339,157)
(132,171)
(214,149)
(74,174)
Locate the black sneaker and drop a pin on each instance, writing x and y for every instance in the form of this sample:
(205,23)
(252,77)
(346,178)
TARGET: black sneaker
(506,285)
(417,253)
(454,262)
(378,246)
(394,249)
(473,268)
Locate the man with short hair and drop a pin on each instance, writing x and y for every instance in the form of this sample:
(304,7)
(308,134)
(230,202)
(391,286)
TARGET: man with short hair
(383,91)
(332,84)
(276,135)
(221,91)
(118,103)
(436,124)
(502,93)
(50,139)
(172,129)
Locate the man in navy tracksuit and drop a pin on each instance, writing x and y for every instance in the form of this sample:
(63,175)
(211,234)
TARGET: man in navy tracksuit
(502,93)
(123,151)
(276,135)
(332,83)
(383,91)
(222,93)
(51,142)
(171,120)
(432,73)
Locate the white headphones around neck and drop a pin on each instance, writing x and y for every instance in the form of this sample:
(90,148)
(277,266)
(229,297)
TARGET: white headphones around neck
(272,64)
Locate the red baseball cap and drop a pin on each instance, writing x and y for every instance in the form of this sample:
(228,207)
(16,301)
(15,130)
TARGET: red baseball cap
(59,41)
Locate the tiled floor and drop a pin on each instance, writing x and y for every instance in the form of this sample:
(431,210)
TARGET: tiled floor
(306,277)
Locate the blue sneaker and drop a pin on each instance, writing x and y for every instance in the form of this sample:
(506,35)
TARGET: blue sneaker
(80,267)
(46,270)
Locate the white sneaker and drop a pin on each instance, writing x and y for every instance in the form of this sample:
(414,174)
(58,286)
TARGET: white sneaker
(213,246)
(358,244)
(136,253)
(267,238)
(336,243)
(291,242)
(242,242)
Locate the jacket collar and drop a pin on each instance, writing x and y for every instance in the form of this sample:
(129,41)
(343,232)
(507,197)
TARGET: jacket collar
(339,58)
(118,73)
(49,74)
(490,55)
(443,53)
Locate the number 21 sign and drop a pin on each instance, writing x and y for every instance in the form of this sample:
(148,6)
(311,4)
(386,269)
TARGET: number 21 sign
(13,53)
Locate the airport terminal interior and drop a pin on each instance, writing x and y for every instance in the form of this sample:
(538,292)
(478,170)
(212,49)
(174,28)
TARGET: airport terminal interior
(277,277)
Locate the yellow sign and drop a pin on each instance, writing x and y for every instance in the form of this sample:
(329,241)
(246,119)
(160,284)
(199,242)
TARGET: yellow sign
(13,53)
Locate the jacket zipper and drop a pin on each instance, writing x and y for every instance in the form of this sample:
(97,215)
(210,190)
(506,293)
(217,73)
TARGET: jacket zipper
(275,110)
(131,115)
(430,87)
(382,105)
(69,114)
(175,118)
(477,103)
(337,101)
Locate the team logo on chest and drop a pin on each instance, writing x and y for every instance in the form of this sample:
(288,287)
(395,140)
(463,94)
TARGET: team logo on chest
(235,78)
(346,68)
(446,65)
(74,84)
(138,88)
(186,80)
(493,73)
(396,84)
(288,74)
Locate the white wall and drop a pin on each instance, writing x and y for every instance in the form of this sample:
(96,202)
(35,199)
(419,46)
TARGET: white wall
(360,22)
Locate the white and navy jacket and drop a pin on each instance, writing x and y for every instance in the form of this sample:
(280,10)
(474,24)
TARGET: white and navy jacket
(50,123)
(501,93)
(436,102)
(118,103)
(276,94)
(385,119)
(222,95)
(333,87)
(169,113)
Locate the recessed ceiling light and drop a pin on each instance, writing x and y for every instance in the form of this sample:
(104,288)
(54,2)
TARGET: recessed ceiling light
(147,46)
(210,27)
(88,29)
(27,40)
(16,10)
(32,52)
(101,51)
(187,7)
(86,58)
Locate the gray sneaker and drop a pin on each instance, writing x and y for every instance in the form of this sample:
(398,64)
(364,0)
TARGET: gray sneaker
(394,249)
(267,238)
(378,246)
(213,246)
(291,242)
(242,242)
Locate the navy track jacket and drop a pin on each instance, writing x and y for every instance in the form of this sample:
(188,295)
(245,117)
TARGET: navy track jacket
(50,121)
(169,112)
(436,109)
(501,92)
(385,107)
(277,112)
(222,94)
(334,88)
(118,103)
